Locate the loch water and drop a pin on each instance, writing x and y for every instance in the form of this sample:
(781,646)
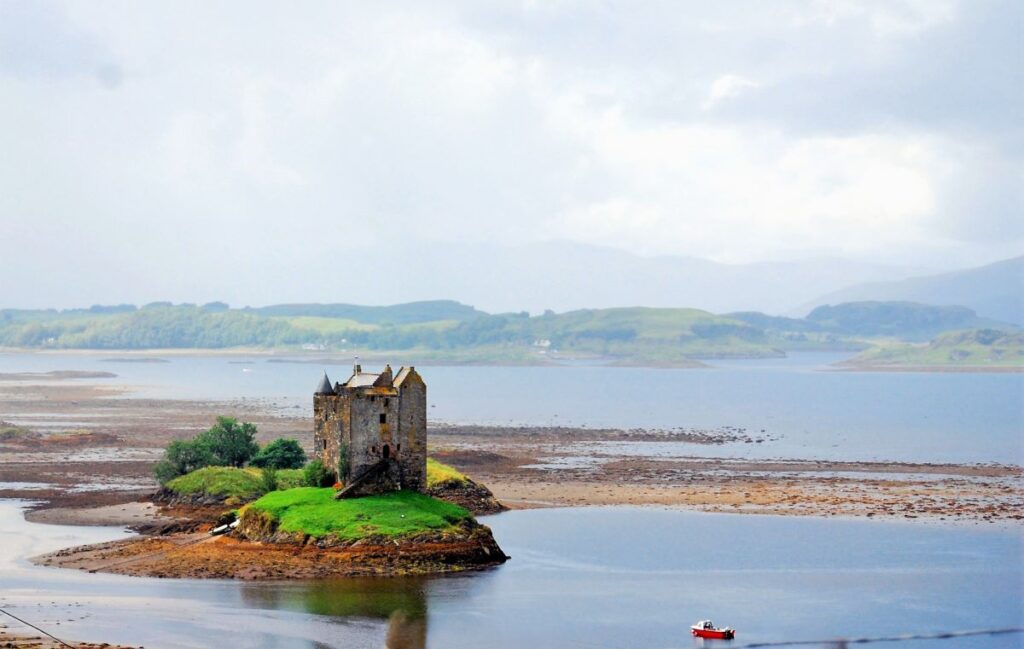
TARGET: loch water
(594,577)
(806,407)
(609,577)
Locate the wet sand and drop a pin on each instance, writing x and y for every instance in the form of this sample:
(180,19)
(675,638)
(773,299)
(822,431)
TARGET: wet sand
(29,639)
(85,449)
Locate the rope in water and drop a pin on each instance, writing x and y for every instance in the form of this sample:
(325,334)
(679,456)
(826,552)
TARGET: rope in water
(893,638)
(9,614)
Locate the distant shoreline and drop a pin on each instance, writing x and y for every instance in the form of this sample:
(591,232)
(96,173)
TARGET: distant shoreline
(331,358)
(412,357)
(951,369)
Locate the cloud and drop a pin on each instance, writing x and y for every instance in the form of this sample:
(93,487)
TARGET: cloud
(251,136)
(727,87)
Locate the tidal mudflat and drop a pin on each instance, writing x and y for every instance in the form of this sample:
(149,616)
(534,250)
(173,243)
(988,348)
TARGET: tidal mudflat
(86,442)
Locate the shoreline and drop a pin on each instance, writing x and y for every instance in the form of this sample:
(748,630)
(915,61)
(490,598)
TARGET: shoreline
(302,357)
(951,369)
(34,640)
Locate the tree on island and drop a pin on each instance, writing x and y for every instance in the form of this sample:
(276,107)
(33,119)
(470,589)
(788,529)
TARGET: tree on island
(280,454)
(232,443)
(227,443)
(182,457)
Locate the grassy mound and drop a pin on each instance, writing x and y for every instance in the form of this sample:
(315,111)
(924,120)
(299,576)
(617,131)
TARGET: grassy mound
(443,475)
(313,511)
(290,478)
(221,481)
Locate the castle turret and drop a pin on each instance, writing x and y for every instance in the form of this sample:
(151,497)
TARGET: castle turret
(325,386)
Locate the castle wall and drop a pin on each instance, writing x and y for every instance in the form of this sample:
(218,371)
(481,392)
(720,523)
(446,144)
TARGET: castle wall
(332,423)
(369,434)
(412,426)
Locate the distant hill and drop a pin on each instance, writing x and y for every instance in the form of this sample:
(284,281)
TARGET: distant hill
(901,320)
(993,291)
(411,312)
(976,349)
(566,276)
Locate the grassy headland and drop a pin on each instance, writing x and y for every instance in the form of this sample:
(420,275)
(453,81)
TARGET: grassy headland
(974,349)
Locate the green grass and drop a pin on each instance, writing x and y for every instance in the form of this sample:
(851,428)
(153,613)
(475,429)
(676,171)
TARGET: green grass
(219,481)
(441,474)
(308,510)
(290,478)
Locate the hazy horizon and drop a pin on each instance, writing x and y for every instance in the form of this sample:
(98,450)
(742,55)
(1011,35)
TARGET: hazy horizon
(256,154)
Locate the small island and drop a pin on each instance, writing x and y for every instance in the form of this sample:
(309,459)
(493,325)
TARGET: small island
(374,514)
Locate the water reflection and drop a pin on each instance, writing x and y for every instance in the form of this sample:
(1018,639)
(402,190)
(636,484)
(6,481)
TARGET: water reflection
(402,602)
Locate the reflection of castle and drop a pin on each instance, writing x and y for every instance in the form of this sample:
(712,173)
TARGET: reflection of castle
(406,631)
(402,602)
(372,430)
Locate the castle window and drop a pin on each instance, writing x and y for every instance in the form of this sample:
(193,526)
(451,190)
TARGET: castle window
(325,444)
(386,401)
(383,418)
(373,398)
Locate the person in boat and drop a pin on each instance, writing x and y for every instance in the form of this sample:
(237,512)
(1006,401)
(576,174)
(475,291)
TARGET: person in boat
(708,625)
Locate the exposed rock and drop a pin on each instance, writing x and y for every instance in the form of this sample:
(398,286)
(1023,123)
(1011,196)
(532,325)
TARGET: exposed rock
(469,495)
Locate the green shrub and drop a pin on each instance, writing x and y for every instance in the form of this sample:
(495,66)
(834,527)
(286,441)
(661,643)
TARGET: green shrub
(182,457)
(280,454)
(317,475)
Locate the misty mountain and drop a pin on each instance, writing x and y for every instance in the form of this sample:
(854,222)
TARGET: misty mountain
(907,321)
(564,276)
(993,291)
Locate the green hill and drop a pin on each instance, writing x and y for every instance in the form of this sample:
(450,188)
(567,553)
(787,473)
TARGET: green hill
(903,320)
(977,348)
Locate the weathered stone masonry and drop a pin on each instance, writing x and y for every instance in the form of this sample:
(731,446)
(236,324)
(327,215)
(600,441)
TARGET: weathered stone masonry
(372,430)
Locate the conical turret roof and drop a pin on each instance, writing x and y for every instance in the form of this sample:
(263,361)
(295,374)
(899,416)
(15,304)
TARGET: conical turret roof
(325,386)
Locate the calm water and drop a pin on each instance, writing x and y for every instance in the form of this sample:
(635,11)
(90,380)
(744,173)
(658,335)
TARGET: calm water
(596,577)
(815,412)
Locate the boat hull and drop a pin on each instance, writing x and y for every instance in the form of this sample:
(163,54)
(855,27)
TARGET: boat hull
(717,634)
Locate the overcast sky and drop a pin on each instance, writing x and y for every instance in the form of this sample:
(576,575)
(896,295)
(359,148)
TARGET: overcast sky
(208,150)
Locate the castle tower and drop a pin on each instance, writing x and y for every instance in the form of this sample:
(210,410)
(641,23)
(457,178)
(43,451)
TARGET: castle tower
(372,430)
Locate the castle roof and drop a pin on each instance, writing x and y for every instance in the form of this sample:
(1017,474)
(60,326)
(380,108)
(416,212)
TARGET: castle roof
(404,373)
(324,387)
(362,380)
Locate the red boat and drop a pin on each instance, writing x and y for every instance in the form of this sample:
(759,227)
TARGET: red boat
(706,629)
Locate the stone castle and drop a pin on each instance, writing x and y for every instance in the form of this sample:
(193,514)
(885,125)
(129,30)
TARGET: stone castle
(372,430)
